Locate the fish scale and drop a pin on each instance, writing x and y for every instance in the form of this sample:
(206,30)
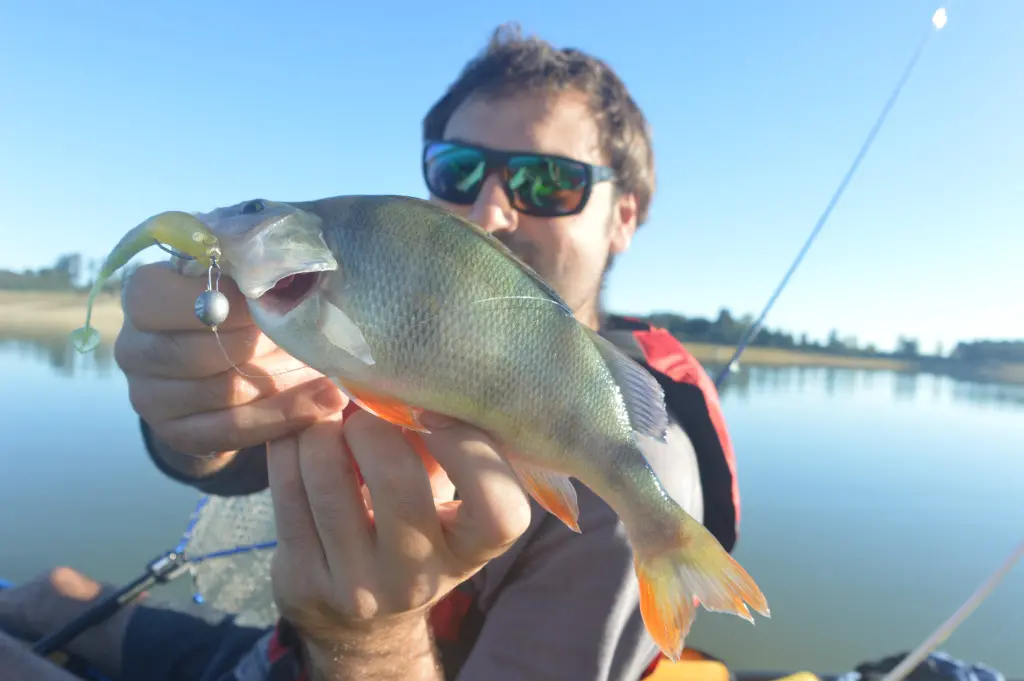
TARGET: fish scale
(428,353)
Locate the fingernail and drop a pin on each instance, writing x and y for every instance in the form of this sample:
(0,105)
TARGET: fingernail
(434,421)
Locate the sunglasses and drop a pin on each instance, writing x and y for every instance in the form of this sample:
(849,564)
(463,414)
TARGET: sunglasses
(542,185)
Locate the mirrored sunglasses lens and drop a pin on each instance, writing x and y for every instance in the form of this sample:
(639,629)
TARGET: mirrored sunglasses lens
(454,173)
(546,186)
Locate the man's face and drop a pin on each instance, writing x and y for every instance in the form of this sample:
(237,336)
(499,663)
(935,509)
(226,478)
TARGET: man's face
(570,252)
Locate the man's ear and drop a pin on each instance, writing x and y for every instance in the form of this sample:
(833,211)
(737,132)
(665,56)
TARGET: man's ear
(623,223)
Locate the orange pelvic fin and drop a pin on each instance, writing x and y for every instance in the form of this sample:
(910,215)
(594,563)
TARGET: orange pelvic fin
(698,571)
(553,491)
(387,408)
(415,440)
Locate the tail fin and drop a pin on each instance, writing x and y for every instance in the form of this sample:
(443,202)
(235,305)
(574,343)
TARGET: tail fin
(696,571)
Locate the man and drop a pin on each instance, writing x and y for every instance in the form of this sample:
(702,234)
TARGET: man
(514,594)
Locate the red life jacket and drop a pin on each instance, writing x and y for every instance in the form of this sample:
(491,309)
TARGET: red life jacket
(692,399)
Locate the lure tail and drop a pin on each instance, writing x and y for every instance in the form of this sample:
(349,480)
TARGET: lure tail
(694,571)
(181,231)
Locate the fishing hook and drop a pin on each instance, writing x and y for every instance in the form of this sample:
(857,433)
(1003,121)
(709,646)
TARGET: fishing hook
(168,249)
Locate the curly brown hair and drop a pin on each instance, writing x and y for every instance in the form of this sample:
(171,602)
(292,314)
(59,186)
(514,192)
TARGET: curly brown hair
(514,64)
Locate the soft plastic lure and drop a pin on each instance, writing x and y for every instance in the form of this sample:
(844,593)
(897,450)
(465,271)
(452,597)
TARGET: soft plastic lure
(180,231)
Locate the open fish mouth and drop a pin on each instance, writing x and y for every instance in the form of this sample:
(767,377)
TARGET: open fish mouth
(288,292)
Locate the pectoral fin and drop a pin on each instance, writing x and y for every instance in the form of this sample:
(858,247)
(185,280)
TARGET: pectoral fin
(339,328)
(553,491)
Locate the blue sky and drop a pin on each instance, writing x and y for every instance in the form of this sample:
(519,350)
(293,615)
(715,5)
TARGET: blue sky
(114,111)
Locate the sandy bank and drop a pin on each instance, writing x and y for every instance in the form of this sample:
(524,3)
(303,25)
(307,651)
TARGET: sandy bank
(44,313)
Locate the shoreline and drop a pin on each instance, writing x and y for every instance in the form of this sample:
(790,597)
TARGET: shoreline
(34,314)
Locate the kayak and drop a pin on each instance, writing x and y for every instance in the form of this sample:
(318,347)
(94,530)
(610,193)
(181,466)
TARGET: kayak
(700,666)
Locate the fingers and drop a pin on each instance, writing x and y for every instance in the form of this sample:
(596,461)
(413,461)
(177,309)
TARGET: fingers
(164,399)
(254,423)
(493,510)
(442,487)
(190,354)
(335,500)
(404,512)
(296,531)
(325,559)
(156,298)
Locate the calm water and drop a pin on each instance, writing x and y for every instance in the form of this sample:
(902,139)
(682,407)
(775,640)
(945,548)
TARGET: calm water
(873,503)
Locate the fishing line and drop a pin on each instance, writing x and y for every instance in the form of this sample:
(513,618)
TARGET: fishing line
(938,21)
(234,366)
(930,644)
(212,308)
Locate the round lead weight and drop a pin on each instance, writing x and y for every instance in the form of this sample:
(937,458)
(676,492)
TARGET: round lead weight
(212,308)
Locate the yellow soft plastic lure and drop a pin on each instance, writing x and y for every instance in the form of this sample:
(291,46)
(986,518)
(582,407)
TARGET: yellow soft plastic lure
(182,232)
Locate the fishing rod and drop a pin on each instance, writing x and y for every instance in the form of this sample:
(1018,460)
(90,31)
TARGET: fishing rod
(163,570)
(930,644)
(938,21)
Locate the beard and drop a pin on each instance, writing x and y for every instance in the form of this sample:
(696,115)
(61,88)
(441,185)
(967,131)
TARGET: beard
(523,249)
(529,253)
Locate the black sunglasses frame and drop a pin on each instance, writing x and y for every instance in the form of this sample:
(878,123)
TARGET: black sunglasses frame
(495,159)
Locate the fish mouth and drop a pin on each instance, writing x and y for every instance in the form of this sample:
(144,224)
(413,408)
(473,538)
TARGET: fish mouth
(288,292)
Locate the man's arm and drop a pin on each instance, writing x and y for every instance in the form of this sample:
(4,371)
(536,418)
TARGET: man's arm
(231,474)
(569,608)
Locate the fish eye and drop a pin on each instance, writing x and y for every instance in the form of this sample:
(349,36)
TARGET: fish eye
(254,206)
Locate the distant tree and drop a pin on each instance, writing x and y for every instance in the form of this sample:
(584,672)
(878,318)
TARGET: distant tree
(989,350)
(906,347)
(728,329)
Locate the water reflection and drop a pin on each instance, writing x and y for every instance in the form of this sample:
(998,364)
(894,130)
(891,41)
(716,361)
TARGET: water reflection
(903,387)
(988,393)
(59,354)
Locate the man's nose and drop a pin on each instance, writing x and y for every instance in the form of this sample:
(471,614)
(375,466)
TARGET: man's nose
(491,210)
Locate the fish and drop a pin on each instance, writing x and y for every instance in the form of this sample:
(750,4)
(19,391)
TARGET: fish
(409,307)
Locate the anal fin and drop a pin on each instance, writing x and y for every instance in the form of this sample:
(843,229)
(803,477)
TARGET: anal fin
(386,408)
(553,491)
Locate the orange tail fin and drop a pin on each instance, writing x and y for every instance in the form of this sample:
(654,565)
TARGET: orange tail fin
(697,571)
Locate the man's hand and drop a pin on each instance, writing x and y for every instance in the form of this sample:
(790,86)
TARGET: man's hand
(50,601)
(181,384)
(355,578)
